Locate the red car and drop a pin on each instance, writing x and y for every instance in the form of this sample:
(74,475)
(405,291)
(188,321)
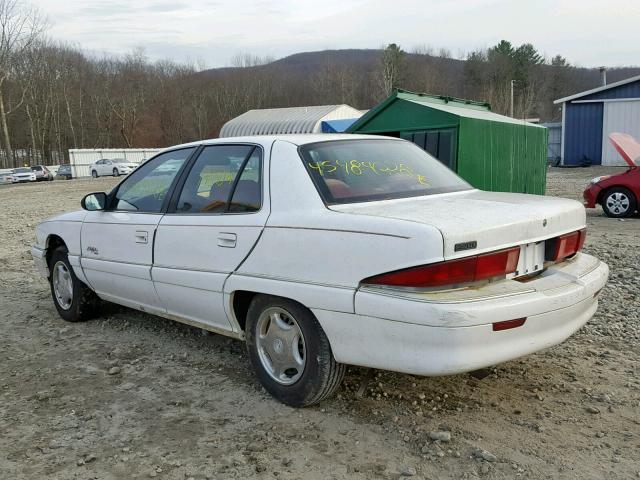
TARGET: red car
(618,194)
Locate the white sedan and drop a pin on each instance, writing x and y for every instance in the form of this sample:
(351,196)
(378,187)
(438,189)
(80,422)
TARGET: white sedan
(23,174)
(321,251)
(114,167)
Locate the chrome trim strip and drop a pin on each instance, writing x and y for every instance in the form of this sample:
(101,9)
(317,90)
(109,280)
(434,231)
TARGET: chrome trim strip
(339,231)
(201,270)
(160,282)
(108,260)
(387,293)
(292,280)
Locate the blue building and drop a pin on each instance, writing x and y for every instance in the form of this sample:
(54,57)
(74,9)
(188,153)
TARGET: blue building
(589,117)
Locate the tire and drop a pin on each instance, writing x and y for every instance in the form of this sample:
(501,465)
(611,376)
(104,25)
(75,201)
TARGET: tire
(320,375)
(618,202)
(94,174)
(83,302)
(116,173)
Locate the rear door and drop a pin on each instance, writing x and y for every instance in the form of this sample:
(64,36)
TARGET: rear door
(213,222)
(117,244)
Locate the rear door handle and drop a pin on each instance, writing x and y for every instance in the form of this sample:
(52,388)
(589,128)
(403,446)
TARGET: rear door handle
(227,239)
(142,236)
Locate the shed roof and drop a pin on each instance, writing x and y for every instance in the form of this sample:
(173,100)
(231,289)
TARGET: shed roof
(454,106)
(270,121)
(596,90)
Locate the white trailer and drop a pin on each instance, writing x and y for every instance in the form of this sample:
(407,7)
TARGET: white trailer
(82,158)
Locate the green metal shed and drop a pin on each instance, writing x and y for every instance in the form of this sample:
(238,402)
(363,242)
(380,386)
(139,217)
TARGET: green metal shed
(490,151)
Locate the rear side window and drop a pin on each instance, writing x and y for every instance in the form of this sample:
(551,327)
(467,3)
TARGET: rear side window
(348,171)
(224,178)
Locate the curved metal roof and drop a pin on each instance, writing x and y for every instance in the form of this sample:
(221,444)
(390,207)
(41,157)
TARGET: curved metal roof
(285,120)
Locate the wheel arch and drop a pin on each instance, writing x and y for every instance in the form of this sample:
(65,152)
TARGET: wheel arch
(605,190)
(241,300)
(52,242)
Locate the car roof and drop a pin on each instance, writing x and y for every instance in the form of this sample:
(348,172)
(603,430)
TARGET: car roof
(297,139)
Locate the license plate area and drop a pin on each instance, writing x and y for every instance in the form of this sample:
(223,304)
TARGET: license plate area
(531,259)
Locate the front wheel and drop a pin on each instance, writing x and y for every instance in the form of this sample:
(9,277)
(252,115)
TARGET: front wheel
(618,202)
(115,172)
(74,301)
(94,174)
(290,352)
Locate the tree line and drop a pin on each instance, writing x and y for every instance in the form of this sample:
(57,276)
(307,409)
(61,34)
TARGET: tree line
(54,96)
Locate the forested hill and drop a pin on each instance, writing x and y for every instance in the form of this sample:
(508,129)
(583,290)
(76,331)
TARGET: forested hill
(57,97)
(354,76)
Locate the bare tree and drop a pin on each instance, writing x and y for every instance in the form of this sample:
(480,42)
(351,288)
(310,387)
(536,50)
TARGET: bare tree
(21,27)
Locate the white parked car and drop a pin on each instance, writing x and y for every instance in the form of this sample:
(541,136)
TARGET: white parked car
(113,167)
(23,174)
(321,251)
(6,176)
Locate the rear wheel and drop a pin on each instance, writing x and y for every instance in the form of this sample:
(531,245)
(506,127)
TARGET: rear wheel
(74,301)
(290,352)
(115,172)
(94,174)
(618,202)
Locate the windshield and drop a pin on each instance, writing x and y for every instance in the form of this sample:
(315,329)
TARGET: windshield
(119,160)
(22,170)
(348,171)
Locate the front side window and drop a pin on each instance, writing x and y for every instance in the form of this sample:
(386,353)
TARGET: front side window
(146,188)
(224,178)
(348,171)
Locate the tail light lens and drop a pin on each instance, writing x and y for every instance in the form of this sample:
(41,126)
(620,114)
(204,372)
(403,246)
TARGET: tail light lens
(559,248)
(453,272)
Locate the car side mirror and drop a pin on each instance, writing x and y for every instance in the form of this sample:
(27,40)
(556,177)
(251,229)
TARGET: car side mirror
(94,201)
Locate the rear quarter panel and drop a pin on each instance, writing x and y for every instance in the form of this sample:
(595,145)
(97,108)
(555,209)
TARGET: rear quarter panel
(317,256)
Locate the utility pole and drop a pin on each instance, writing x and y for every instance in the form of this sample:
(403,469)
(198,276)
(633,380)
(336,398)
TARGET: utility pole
(511,105)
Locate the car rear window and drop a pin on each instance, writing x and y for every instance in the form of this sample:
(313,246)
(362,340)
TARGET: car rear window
(349,171)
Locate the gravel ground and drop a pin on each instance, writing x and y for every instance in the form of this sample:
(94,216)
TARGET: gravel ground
(129,395)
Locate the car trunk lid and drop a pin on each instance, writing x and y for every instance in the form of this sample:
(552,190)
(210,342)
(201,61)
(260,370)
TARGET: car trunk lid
(475,221)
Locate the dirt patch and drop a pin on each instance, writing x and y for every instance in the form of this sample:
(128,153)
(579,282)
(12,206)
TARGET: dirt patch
(130,395)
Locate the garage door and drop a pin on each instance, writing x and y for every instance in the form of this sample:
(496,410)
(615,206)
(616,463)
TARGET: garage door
(621,117)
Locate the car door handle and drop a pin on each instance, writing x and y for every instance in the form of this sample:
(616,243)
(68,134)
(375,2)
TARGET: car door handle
(142,236)
(226,239)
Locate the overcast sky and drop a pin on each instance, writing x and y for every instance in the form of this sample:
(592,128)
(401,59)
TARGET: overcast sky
(587,32)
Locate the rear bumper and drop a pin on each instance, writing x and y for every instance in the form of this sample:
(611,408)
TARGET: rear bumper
(590,196)
(428,338)
(40,260)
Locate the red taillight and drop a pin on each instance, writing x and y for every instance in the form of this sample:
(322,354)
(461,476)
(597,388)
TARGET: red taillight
(453,272)
(566,245)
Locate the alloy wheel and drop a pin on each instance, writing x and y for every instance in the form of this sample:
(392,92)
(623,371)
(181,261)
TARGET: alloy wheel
(618,203)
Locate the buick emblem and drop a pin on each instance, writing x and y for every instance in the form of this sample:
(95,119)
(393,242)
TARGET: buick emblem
(544,222)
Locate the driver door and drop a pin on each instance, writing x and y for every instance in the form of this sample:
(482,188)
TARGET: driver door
(117,243)
(105,168)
